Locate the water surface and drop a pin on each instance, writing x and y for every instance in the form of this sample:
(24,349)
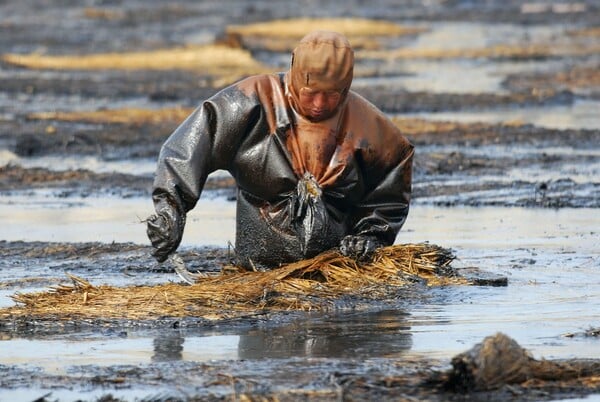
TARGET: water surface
(582,114)
(551,258)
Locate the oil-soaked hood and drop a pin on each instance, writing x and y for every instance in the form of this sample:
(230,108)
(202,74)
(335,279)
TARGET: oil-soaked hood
(322,60)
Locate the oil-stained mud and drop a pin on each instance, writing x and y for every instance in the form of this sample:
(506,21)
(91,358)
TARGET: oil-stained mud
(500,56)
(474,153)
(82,182)
(295,379)
(571,78)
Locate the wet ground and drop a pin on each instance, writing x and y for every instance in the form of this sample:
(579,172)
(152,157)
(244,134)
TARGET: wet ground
(502,101)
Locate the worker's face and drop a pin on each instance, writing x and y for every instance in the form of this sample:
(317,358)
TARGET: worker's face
(318,105)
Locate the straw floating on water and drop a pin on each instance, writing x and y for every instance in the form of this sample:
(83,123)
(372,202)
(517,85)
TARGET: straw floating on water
(312,284)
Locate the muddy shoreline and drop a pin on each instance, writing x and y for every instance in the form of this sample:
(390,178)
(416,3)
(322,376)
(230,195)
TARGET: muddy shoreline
(315,378)
(500,100)
(431,164)
(347,381)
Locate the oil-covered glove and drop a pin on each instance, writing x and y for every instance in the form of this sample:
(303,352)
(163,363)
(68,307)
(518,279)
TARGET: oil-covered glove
(165,230)
(359,247)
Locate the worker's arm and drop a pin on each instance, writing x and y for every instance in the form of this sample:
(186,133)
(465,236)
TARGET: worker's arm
(382,212)
(206,141)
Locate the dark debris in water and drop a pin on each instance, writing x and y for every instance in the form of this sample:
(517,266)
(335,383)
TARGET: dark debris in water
(592,332)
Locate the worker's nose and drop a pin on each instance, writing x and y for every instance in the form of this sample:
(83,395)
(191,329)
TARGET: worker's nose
(319,100)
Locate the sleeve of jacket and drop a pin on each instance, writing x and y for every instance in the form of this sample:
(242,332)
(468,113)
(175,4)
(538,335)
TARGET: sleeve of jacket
(206,141)
(384,209)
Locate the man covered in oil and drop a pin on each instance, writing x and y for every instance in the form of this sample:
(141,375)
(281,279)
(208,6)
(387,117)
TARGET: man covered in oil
(316,165)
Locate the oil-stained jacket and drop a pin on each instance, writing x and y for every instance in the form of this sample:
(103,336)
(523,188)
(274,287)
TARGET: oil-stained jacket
(302,186)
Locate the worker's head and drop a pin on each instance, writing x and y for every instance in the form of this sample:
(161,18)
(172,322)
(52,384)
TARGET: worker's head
(320,74)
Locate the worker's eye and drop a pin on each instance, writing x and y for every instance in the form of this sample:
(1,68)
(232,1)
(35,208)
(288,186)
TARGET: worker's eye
(333,95)
(311,93)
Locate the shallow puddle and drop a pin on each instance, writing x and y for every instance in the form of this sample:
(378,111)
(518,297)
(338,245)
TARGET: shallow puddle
(55,355)
(552,261)
(471,35)
(34,393)
(465,75)
(551,258)
(443,77)
(39,216)
(141,167)
(324,335)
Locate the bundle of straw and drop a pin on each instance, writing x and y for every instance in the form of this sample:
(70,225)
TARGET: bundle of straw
(311,284)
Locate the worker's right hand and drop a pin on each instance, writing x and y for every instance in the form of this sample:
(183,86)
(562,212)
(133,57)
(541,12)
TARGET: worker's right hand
(359,247)
(165,230)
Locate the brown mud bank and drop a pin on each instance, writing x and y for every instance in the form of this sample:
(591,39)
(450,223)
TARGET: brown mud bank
(82,182)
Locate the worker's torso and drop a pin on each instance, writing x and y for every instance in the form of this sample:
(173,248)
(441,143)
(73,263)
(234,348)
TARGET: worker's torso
(281,147)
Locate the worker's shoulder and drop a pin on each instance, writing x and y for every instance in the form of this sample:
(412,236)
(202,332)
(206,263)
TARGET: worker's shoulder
(360,108)
(259,82)
(358,104)
(372,123)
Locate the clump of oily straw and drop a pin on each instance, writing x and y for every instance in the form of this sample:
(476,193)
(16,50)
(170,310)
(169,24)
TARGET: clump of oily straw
(499,360)
(312,284)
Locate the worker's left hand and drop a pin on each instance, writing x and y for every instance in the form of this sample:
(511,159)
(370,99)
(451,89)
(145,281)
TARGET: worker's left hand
(359,247)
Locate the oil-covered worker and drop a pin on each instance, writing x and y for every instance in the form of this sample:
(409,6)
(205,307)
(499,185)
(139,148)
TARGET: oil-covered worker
(316,165)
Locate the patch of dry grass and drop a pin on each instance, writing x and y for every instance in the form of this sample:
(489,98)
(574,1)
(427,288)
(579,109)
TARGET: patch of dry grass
(580,77)
(491,52)
(593,32)
(311,284)
(414,126)
(103,13)
(298,27)
(283,35)
(218,60)
(131,116)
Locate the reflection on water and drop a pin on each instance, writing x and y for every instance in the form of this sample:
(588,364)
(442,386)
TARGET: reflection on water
(473,35)
(38,216)
(359,335)
(141,167)
(56,355)
(449,76)
(168,347)
(551,259)
(349,335)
